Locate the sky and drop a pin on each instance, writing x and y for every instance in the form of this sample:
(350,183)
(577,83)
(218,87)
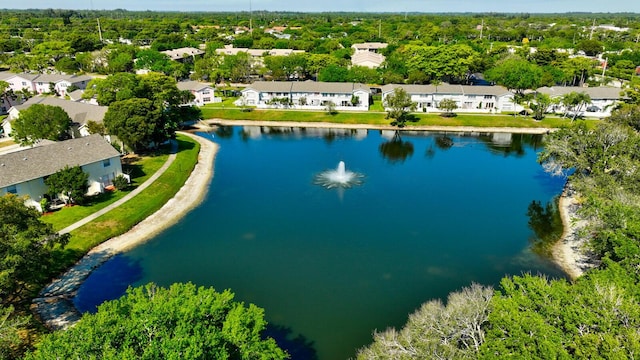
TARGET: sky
(398,6)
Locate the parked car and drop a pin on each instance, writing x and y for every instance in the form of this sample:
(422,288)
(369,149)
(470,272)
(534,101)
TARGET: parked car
(593,108)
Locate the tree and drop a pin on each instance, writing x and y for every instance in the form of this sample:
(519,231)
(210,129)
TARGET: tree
(95,127)
(137,122)
(181,322)
(398,106)
(10,327)
(540,106)
(334,73)
(534,318)
(71,182)
(121,86)
(574,101)
(26,248)
(438,331)
(517,75)
(396,150)
(40,122)
(448,105)
(590,47)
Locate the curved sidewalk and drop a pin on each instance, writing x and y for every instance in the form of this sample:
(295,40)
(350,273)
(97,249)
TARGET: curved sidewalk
(129,196)
(55,306)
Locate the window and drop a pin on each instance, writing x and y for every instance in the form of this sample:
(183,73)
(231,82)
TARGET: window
(206,99)
(12,189)
(206,92)
(488,96)
(106,163)
(24,83)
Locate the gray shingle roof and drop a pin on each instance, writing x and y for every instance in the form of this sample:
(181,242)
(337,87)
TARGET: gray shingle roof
(306,87)
(78,112)
(192,85)
(449,89)
(33,163)
(599,92)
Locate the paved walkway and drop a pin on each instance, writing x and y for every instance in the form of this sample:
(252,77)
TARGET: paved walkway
(55,306)
(139,189)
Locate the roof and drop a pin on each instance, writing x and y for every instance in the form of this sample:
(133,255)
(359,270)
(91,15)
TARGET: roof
(79,112)
(370,45)
(192,85)
(45,78)
(449,89)
(306,87)
(177,54)
(363,57)
(36,162)
(599,92)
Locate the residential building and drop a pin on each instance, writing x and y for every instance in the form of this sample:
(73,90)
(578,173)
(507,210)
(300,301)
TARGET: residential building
(23,172)
(203,93)
(183,53)
(603,98)
(471,99)
(309,95)
(368,54)
(45,83)
(79,112)
(257,54)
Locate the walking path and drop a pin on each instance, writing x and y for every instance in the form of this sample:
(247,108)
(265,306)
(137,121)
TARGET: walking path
(55,306)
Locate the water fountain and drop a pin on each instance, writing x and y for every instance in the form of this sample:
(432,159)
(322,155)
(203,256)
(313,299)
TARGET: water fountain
(339,177)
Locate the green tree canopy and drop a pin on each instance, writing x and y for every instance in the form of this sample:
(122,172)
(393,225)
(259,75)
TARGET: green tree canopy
(26,247)
(40,122)
(181,322)
(137,122)
(516,74)
(398,106)
(71,182)
(448,105)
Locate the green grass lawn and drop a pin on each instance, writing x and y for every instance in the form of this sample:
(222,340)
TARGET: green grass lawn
(140,168)
(124,217)
(378,118)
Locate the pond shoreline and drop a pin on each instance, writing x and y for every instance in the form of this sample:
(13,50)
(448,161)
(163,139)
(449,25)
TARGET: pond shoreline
(327,125)
(55,305)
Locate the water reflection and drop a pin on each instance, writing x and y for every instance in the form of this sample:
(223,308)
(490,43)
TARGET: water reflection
(444,142)
(546,223)
(508,144)
(299,347)
(119,272)
(396,150)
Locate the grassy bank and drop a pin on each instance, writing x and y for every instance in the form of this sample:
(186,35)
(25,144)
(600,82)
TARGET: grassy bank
(139,168)
(378,118)
(124,217)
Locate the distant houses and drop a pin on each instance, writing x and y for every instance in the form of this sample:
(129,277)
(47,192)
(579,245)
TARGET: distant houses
(45,83)
(472,99)
(368,54)
(23,172)
(309,95)
(203,93)
(79,112)
(183,53)
(603,98)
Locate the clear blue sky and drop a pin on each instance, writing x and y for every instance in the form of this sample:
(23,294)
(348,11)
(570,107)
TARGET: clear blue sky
(517,6)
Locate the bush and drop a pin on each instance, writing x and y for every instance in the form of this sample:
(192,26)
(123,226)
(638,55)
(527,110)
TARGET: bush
(120,182)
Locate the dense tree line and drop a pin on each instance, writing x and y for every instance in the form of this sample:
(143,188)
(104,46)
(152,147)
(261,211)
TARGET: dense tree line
(423,47)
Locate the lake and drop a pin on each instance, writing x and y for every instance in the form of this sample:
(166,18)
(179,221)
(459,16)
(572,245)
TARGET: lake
(434,213)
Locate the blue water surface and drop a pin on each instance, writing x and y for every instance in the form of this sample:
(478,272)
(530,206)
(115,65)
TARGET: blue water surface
(435,213)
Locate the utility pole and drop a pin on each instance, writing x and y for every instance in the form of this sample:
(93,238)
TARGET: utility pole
(481,28)
(99,30)
(250,18)
(380,29)
(592,28)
